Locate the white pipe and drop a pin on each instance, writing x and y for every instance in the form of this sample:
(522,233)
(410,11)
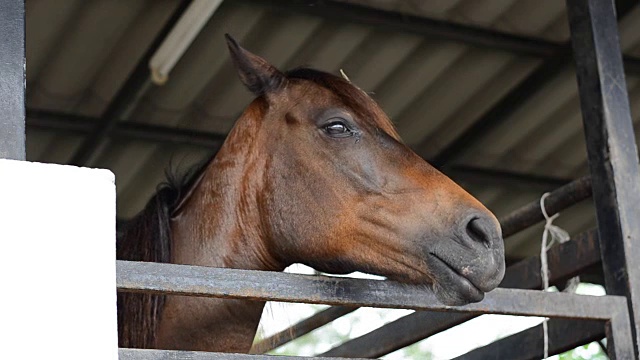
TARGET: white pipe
(180,37)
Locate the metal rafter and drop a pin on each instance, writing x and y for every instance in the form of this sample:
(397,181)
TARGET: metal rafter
(137,84)
(60,122)
(340,11)
(74,124)
(510,103)
(564,335)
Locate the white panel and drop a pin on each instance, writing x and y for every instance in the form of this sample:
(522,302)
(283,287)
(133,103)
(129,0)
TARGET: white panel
(57,225)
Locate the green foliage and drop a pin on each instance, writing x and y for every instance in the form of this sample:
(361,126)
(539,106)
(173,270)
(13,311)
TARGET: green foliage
(591,351)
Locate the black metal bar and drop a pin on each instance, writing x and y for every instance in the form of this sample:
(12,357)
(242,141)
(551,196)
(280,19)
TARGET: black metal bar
(620,340)
(173,279)
(340,11)
(500,178)
(564,261)
(501,111)
(558,200)
(302,328)
(402,22)
(611,146)
(398,334)
(152,354)
(136,85)
(564,335)
(12,80)
(602,345)
(256,285)
(46,120)
(62,122)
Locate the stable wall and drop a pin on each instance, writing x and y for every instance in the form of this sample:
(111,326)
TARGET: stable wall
(57,240)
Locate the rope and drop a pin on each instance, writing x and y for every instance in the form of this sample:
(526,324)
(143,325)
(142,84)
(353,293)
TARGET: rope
(560,236)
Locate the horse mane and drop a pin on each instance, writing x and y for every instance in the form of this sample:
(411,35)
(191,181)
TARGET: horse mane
(147,237)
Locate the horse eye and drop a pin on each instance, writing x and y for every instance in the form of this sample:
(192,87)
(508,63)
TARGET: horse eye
(337,128)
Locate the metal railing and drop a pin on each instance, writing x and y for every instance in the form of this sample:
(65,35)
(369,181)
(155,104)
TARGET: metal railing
(189,280)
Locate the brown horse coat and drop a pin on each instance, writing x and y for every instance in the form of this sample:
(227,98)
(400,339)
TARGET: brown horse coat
(313,172)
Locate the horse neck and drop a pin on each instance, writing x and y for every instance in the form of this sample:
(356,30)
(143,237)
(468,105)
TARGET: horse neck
(220,226)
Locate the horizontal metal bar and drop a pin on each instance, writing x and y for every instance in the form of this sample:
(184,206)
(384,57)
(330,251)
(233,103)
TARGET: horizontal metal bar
(564,260)
(153,354)
(501,178)
(75,124)
(275,286)
(564,335)
(48,120)
(402,22)
(558,200)
(137,84)
(482,37)
(302,328)
(398,334)
(502,111)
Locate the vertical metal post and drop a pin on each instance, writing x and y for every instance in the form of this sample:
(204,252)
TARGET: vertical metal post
(12,80)
(613,155)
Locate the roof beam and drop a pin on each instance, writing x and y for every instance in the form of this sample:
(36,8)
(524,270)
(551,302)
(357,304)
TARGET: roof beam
(53,121)
(564,335)
(340,11)
(504,108)
(81,125)
(509,179)
(138,82)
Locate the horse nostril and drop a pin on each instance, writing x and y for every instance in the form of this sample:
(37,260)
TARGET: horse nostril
(482,230)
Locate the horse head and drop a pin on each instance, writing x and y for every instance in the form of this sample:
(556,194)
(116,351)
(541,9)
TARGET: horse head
(341,192)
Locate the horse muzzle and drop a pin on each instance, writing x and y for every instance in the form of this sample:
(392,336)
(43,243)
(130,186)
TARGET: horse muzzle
(470,263)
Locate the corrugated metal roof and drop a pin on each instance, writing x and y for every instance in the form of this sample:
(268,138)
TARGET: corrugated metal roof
(79,54)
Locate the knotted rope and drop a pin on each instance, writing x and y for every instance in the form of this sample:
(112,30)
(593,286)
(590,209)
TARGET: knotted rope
(560,236)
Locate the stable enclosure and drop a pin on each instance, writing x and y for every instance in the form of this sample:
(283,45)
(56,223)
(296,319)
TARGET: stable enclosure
(104,133)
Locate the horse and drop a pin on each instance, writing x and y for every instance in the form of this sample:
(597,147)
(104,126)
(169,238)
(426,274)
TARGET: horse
(312,172)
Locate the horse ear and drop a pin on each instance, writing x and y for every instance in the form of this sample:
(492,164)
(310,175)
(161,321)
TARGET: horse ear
(256,73)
